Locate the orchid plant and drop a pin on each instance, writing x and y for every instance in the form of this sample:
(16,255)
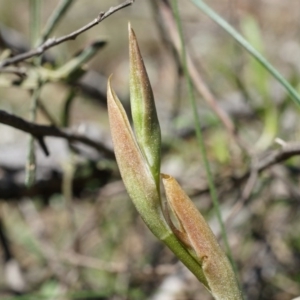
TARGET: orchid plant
(138,157)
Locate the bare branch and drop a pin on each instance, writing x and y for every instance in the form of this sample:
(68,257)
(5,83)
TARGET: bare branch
(72,36)
(41,131)
(259,165)
(287,151)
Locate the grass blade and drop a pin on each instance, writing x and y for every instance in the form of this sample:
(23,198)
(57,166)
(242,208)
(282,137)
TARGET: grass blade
(245,44)
(212,188)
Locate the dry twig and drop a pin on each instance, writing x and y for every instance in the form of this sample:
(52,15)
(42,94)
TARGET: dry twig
(41,131)
(259,165)
(56,41)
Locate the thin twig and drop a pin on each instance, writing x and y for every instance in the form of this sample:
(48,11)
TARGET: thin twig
(258,166)
(72,36)
(41,131)
(277,156)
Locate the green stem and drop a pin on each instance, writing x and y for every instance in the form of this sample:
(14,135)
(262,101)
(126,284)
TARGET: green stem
(35,20)
(35,8)
(30,164)
(54,19)
(200,139)
(185,257)
(239,38)
(65,116)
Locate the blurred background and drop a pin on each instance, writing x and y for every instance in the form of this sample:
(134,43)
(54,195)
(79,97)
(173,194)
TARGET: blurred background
(74,233)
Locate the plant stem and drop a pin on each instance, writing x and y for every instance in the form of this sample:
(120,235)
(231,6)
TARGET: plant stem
(30,164)
(35,8)
(200,139)
(54,19)
(35,20)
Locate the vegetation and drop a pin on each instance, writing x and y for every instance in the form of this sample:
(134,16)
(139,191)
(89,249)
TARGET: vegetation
(225,128)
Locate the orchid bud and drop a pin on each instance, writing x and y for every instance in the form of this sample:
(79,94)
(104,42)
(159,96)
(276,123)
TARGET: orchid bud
(140,184)
(138,158)
(195,234)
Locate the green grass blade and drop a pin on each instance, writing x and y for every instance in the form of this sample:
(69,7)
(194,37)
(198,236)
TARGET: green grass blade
(243,42)
(54,19)
(35,20)
(191,96)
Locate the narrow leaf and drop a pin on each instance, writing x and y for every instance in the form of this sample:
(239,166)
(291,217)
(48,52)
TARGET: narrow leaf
(134,170)
(247,46)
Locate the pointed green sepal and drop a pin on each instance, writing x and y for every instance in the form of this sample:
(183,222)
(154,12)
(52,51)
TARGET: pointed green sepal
(146,125)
